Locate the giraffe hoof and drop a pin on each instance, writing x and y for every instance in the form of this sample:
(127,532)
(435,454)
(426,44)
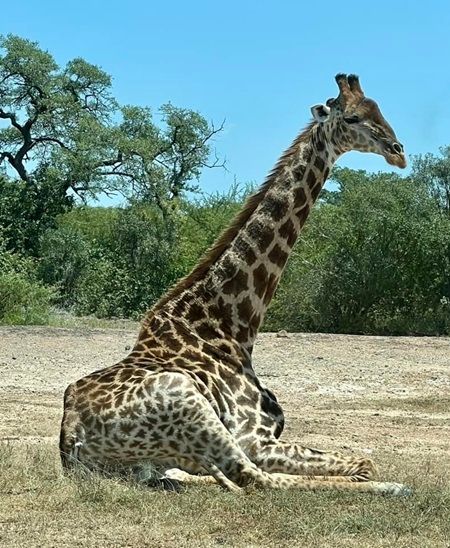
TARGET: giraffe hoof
(169,484)
(394,489)
(176,474)
(164,484)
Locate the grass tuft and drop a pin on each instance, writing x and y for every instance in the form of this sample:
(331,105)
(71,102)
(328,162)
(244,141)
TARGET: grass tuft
(41,507)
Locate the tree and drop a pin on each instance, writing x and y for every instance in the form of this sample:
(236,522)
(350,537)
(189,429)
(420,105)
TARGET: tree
(61,129)
(47,109)
(434,172)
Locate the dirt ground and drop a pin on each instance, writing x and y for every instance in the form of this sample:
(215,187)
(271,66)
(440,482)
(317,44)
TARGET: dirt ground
(368,395)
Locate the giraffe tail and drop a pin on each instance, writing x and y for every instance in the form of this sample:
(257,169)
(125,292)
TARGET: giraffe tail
(72,434)
(69,447)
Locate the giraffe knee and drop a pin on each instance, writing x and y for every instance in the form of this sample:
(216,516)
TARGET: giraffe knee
(366,469)
(244,474)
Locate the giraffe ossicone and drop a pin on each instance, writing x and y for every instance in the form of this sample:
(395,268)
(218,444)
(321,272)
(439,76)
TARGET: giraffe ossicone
(187,396)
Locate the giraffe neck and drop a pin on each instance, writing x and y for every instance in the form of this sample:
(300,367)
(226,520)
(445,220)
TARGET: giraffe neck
(227,294)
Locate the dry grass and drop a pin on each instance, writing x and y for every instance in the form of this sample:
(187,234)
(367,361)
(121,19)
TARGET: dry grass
(40,507)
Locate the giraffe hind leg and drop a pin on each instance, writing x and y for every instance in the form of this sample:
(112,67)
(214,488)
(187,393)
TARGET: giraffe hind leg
(221,456)
(281,457)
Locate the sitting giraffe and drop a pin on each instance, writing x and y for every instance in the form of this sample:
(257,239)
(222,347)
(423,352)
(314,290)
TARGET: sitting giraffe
(187,399)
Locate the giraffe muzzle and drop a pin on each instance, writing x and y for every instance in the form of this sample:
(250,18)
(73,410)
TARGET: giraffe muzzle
(395,155)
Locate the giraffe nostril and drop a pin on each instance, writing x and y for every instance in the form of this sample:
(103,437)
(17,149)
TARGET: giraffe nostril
(397,147)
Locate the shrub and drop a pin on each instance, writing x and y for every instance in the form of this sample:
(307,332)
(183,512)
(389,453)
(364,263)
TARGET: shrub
(374,260)
(23,299)
(64,258)
(103,290)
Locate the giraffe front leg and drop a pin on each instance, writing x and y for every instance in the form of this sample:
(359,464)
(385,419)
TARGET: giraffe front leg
(277,456)
(185,477)
(220,455)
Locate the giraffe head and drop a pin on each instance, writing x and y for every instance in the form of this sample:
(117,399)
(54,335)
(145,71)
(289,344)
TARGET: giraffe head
(357,122)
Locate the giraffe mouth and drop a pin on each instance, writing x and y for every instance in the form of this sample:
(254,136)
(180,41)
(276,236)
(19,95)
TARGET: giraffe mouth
(397,160)
(394,154)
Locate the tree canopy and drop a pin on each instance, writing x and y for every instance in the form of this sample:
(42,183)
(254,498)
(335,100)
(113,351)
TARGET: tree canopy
(62,126)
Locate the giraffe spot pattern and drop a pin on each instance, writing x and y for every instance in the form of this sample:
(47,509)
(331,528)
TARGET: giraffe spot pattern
(311,178)
(287,231)
(299,172)
(299,197)
(320,145)
(276,207)
(245,308)
(270,289)
(237,284)
(319,163)
(260,233)
(260,277)
(278,256)
(245,250)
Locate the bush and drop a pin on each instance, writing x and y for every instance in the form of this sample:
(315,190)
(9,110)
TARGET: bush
(23,299)
(111,261)
(27,211)
(64,258)
(375,259)
(103,291)
(118,261)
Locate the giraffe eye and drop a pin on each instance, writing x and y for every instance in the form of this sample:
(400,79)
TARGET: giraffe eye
(352,119)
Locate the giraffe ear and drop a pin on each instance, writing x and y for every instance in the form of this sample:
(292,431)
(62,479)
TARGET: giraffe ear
(320,112)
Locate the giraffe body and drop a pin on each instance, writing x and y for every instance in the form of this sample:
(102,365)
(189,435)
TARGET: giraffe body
(187,399)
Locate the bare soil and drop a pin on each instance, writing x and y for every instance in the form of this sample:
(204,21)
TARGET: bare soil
(338,391)
(381,396)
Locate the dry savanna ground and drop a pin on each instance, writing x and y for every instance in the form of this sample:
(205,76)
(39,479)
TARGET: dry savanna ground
(384,397)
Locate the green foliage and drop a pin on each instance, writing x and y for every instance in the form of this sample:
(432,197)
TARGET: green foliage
(375,260)
(48,108)
(118,261)
(23,299)
(110,262)
(27,211)
(65,256)
(374,256)
(103,291)
(64,137)
(434,172)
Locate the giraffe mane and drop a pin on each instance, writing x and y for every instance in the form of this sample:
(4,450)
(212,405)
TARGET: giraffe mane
(230,233)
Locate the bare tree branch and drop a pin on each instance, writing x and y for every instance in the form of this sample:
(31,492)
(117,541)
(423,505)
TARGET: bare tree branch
(106,163)
(12,117)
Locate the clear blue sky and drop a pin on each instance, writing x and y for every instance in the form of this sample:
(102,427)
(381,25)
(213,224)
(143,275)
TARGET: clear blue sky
(259,65)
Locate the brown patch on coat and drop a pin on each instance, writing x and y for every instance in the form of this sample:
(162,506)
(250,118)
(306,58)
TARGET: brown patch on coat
(260,276)
(287,232)
(275,206)
(237,284)
(278,256)
(260,233)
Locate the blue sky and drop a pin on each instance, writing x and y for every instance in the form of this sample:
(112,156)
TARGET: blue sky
(260,65)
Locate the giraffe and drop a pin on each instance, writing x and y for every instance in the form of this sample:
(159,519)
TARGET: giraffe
(187,399)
